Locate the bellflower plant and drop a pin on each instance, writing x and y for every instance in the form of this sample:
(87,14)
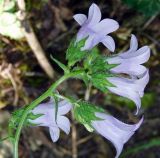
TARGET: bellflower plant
(94,30)
(122,74)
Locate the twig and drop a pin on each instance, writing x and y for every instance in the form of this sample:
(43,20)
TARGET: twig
(87,93)
(149,21)
(33,41)
(85,139)
(74,140)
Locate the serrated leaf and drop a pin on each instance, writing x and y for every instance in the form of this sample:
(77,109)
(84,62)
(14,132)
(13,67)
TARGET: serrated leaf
(61,65)
(84,113)
(147,7)
(74,53)
(99,80)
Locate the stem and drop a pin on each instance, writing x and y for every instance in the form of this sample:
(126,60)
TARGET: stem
(35,103)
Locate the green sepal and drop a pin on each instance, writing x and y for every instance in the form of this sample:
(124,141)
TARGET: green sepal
(91,56)
(84,113)
(82,76)
(56,107)
(32,116)
(61,65)
(99,80)
(95,62)
(74,53)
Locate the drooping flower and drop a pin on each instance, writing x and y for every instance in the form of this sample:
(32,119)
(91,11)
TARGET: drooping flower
(48,118)
(129,62)
(94,30)
(114,130)
(130,88)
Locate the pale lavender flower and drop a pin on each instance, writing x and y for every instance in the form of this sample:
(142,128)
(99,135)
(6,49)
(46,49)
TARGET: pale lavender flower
(132,88)
(48,117)
(95,30)
(129,62)
(114,130)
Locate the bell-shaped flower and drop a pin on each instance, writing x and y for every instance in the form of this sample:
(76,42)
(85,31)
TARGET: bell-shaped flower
(50,119)
(132,88)
(129,62)
(114,130)
(94,30)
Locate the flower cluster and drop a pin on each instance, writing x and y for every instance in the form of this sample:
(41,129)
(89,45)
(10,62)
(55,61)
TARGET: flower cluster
(127,77)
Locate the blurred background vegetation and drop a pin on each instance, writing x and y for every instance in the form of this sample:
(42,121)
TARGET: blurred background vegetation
(22,79)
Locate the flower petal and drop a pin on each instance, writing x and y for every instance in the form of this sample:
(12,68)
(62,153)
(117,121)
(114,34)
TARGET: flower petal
(90,43)
(64,124)
(118,123)
(43,108)
(128,93)
(40,121)
(130,69)
(94,15)
(139,57)
(54,133)
(64,107)
(82,33)
(133,46)
(80,18)
(136,85)
(106,26)
(109,43)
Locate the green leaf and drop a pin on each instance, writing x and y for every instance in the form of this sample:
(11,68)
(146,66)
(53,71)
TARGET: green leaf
(147,7)
(74,53)
(61,65)
(99,80)
(84,113)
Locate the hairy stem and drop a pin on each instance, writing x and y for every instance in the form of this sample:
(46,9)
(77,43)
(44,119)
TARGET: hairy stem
(35,103)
